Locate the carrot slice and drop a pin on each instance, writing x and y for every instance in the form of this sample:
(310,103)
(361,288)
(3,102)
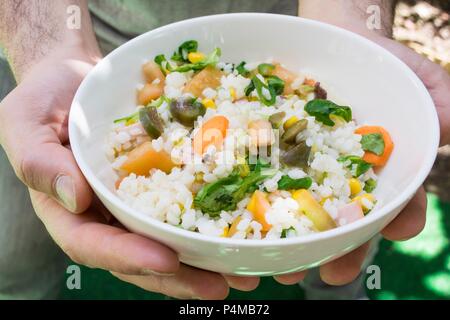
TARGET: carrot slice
(370,157)
(258,206)
(213,132)
(144,158)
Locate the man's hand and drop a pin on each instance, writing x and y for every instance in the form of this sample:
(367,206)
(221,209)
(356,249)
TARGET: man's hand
(33,132)
(410,222)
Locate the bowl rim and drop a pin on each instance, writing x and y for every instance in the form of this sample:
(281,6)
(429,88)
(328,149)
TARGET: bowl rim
(402,197)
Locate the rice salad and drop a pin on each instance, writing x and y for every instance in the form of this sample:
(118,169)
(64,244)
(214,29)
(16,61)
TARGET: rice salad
(248,150)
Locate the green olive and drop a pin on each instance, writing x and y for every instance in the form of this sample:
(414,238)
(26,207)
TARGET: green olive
(297,156)
(276,119)
(187,110)
(151,121)
(291,133)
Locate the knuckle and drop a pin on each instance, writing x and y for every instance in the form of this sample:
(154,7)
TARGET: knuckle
(26,170)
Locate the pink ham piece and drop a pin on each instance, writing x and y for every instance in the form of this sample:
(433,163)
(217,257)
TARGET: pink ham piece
(349,213)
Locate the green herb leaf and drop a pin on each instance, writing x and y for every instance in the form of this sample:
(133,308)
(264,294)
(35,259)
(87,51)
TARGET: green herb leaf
(276,84)
(181,55)
(132,117)
(287,183)
(274,87)
(260,86)
(370,185)
(284,232)
(135,115)
(158,102)
(240,68)
(225,193)
(305,89)
(373,142)
(356,162)
(164,65)
(211,60)
(249,89)
(265,69)
(322,109)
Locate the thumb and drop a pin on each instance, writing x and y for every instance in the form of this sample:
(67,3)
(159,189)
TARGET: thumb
(51,168)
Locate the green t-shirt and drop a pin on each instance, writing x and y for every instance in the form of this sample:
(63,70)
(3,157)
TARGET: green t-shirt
(116,21)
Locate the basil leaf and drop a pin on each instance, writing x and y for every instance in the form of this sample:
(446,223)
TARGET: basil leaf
(361,165)
(370,185)
(181,55)
(241,69)
(265,69)
(210,60)
(322,109)
(287,183)
(373,142)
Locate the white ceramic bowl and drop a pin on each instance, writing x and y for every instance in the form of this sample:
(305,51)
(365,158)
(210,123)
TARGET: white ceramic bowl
(380,89)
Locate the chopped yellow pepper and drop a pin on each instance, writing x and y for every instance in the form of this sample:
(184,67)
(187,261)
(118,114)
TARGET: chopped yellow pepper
(313,210)
(355,186)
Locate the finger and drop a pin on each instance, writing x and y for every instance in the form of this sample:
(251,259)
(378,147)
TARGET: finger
(435,78)
(50,168)
(411,221)
(242,283)
(291,278)
(187,283)
(88,241)
(345,269)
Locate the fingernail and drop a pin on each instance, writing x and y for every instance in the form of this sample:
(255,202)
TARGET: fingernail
(149,272)
(65,189)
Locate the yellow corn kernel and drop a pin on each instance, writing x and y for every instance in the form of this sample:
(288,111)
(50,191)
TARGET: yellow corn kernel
(367,196)
(233,93)
(209,103)
(289,122)
(225,232)
(195,57)
(355,186)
